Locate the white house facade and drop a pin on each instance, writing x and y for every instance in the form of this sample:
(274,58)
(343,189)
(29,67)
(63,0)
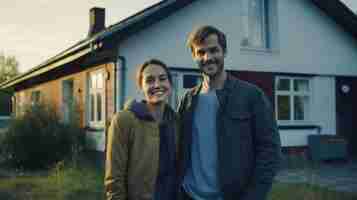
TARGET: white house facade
(298,43)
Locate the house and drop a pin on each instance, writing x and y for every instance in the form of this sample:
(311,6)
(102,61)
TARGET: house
(302,53)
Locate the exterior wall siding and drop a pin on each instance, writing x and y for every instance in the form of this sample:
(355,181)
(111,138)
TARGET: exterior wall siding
(51,92)
(306,41)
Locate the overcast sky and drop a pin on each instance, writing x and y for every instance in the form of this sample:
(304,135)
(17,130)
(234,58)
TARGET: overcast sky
(34,31)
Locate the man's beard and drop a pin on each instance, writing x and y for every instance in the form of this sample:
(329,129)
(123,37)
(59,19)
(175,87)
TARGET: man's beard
(219,67)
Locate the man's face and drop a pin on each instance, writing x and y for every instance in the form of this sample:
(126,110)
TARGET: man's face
(209,56)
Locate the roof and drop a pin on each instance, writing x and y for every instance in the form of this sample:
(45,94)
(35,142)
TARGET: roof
(338,11)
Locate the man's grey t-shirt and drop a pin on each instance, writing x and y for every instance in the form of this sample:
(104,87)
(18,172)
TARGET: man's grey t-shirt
(201,181)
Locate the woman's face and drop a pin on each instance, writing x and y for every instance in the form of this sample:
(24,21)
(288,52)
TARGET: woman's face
(155,84)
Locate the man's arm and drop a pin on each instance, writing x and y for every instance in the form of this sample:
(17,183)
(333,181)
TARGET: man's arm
(267,148)
(116,159)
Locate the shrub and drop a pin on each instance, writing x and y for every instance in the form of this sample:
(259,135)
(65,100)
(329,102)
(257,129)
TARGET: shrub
(38,138)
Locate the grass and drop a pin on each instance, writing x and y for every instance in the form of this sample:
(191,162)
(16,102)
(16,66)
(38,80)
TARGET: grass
(83,180)
(72,180)
(307,192)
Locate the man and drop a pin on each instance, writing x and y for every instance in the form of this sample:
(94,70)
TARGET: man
(230,143)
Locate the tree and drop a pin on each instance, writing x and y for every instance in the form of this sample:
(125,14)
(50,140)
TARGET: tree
(8,67)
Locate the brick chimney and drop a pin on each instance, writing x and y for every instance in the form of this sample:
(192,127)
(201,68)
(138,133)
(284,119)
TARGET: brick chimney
(96,20)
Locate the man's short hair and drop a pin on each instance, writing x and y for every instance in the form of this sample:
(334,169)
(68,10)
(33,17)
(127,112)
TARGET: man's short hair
(198,35)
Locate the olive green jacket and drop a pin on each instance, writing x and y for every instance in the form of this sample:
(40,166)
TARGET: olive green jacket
(132,154)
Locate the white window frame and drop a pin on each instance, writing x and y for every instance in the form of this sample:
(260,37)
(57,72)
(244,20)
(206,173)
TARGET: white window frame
(247,21)
(101,91)
(178,90)
(291,93)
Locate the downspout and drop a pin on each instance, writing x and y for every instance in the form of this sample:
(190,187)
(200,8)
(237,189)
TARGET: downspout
(120,68)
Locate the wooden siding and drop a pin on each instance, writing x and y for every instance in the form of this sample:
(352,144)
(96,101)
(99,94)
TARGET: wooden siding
(52,91)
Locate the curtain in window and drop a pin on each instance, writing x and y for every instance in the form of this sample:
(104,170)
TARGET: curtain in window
(253,23)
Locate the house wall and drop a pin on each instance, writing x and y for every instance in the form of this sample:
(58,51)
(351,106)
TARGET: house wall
(51,92)
(324,104)
(308,41)
(305,41)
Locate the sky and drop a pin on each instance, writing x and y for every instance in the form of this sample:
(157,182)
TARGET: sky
(34,31)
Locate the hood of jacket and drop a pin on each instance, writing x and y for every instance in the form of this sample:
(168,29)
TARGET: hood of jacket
(141,111)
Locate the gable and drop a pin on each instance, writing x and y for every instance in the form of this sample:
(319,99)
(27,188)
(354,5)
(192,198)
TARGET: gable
(307,41)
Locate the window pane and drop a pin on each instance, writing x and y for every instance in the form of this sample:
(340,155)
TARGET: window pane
(100,80)
(256,15)
(301,107)
(284,107)
(254,25)
(301,85)
(283,84)
(189,81)
(99,107)
(91,111)
(245,23)
(35,97)
(92,81)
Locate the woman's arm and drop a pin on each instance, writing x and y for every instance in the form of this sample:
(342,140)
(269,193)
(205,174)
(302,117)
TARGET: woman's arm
(117,158)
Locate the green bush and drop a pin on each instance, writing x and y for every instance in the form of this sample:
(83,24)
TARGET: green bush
(39,139)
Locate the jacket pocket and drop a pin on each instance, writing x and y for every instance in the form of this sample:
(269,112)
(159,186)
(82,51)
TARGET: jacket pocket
(240,123)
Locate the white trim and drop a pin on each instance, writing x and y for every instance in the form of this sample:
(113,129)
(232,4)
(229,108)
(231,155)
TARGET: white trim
(291,93)
(178,90)
(95,91)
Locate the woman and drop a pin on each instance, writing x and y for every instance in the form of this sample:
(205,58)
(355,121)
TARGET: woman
(142,141)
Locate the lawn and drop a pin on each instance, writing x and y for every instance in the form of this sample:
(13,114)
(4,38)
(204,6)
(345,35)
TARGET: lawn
(307,192)
(83,180)
(73,180)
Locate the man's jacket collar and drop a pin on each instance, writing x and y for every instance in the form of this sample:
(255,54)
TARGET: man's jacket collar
(228,85)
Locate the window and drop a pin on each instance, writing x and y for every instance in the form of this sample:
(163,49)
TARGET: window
(35,97)
(96,105)
(68,101)
(20,103)
(182,81)
(255,24)
(292,100)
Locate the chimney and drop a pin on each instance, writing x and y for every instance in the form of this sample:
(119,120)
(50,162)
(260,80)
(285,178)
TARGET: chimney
(96,20)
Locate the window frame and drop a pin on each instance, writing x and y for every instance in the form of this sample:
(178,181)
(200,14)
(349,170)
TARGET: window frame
(95,91)
(265,27)
(178,83)
(291,93)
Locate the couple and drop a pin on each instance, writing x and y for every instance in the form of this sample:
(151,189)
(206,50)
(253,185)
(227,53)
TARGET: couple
(222,144)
